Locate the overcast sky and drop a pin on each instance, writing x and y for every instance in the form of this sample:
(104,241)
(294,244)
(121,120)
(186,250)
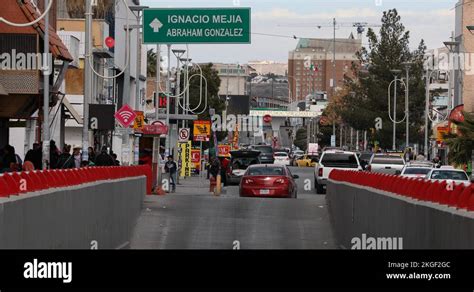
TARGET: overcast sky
(432,20)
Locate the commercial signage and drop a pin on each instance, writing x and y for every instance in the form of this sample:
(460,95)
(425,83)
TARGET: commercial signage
(125,116)
(224,150)
(202,131)
(441,131)
(196,158)
(139,120)
(101,117)
(155,129)
(196,25)
(186,163)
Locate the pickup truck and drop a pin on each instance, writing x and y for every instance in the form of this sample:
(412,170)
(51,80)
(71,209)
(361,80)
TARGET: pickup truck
(386,163)
(333,159)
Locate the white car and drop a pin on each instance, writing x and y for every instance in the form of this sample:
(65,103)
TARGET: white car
(333,159)
(457,176)
(281,158)
(386,163)
(417,169)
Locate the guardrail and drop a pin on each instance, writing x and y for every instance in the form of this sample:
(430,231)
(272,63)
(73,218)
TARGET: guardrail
(95,207)
(17,183)
(425,214)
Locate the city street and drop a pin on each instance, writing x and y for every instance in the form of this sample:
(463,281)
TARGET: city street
(192,218)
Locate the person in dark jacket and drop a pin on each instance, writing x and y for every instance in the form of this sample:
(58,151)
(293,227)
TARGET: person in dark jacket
(65,160)
(171,168)
(53,154)
(35,156)
(91,155)
(104,159)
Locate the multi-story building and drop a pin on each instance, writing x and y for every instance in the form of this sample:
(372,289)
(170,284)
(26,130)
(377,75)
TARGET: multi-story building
(233,78)
(310,65)
(464,77)
(269,67)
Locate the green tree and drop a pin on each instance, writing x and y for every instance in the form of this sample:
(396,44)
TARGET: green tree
(301,140)
(365,96)
(461,144)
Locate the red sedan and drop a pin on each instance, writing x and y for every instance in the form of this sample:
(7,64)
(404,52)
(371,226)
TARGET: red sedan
(269,181)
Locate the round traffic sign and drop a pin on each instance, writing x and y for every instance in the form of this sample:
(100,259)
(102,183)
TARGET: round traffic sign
(267,118)
(184,134)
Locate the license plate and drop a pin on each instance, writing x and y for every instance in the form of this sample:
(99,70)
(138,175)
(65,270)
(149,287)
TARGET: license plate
(264,192)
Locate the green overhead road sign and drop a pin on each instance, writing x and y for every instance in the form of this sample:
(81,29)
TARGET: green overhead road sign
(196,25)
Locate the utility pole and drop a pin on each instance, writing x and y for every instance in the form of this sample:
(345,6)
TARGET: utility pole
(157,140)
(407,107)
(334,71)
(46,74)
(427,108)
(137,89)
(168,89)
(394,142)
(87,82)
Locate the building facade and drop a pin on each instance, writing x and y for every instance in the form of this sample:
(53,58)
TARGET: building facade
(310,65)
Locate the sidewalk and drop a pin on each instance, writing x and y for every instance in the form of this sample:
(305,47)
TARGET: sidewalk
(194,185)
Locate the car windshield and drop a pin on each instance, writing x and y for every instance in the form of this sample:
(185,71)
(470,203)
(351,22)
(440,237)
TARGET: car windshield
(339,160)
(281,154)
(365,156)
(264,149)
(446,174)
(243,163)
(269,171)
(388,160)
(413,170)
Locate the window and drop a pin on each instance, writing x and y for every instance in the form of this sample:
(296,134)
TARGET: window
(340,160)
(267,171)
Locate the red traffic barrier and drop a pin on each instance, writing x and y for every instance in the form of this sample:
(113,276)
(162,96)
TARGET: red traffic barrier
(464,198)
(5,190)
(454,198)
(13,184)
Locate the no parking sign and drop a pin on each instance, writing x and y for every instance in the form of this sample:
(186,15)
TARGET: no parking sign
(183,134)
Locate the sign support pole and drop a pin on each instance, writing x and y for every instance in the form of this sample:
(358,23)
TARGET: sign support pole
(157,140)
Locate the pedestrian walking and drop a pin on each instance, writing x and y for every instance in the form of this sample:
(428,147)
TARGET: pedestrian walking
(171,168)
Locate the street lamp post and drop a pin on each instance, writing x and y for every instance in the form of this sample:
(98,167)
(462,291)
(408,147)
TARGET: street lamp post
(395,72)
(451,46)
(407,108)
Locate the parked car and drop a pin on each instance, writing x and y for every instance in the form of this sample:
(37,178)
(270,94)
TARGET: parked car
(266,153)
(269,181)
(330,160)
(386,163)
(281,158)
(307,161)
(239,162)
(449,174)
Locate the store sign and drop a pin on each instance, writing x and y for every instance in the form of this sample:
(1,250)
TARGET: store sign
(202,131)
(224,150)
(186,163)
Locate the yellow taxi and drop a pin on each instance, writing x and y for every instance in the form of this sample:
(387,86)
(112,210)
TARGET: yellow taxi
(307,161)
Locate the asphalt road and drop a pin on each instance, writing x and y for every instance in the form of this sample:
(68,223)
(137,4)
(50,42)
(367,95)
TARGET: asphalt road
(195,219)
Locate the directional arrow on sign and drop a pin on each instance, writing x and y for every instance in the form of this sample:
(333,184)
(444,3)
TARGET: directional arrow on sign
(156,25)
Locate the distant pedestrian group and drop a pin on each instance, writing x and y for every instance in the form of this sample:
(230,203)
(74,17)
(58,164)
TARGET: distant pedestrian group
(10,161)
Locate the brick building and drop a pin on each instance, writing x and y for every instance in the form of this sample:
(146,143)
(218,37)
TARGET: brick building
(310,65)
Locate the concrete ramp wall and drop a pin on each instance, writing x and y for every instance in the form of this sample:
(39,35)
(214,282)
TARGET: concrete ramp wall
(100,212)
(359,209)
